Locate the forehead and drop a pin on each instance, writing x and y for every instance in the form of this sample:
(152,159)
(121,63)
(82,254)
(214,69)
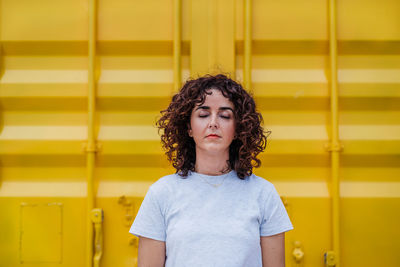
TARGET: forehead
(214,97)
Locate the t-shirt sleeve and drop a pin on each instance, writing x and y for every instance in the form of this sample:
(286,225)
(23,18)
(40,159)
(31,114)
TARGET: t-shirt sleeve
(275,218)
(149,221)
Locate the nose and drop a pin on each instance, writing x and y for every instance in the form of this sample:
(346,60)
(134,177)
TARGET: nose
(213,122)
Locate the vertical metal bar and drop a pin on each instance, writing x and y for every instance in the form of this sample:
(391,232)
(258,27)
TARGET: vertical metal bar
(335,145)
(91,147)
(177,44)
(247,44)
(2,70)
(97,219)
(212,47)
(212,29)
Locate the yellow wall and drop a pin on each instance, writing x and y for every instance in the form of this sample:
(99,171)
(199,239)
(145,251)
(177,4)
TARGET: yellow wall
(44,118)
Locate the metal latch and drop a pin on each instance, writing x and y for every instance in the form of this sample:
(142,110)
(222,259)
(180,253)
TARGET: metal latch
(97,147)
(330,258)
(330,146)
(297,253)
(97,218)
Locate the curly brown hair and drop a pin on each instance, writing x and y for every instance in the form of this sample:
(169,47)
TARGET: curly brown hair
(175,121)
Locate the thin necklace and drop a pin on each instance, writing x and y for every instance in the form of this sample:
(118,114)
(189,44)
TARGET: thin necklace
(214,185)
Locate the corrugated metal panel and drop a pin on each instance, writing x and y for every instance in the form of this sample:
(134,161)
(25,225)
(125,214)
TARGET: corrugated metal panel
(44,116)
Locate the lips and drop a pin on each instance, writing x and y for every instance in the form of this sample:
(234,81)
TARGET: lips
(213,136)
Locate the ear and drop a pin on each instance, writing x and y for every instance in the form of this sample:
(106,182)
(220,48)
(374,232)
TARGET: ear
(190,132)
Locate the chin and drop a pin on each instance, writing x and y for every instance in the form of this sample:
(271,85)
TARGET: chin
(215,149)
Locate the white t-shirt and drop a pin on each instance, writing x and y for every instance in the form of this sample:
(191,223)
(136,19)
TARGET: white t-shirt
(204,225)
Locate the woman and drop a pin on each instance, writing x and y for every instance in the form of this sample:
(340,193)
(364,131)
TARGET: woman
(213,211)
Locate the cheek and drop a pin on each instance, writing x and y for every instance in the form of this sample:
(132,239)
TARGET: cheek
(197,126)
(230,129)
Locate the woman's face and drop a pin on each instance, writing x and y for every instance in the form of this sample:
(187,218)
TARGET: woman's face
(212,124)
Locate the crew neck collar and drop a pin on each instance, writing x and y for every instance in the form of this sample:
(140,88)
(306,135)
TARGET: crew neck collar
(213,176)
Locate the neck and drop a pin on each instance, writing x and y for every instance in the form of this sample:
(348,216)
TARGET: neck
(212,164)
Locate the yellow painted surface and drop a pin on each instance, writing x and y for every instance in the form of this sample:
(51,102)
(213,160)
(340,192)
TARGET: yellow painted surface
(35,250)
(212,43)
(44,68)
(41,222)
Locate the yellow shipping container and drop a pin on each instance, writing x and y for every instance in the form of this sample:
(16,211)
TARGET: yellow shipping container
(82,84)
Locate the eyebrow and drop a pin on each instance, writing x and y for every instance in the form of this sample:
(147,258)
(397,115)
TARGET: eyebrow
(221,108)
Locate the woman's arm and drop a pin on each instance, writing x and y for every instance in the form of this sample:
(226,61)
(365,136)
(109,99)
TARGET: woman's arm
(273,250)
(151,253)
